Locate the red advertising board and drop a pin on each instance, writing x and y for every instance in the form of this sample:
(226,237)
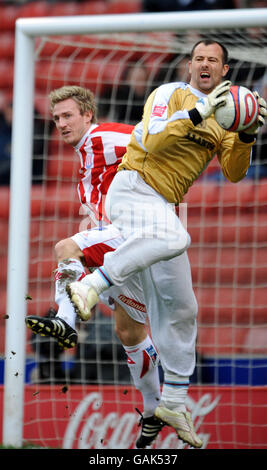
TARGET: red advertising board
(92,417)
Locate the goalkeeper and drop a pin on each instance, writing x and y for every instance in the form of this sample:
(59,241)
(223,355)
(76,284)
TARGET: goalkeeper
(169,149)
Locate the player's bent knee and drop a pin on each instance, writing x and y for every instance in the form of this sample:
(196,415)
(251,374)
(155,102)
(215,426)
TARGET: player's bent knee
(185,241)
(67,248)
(181,243)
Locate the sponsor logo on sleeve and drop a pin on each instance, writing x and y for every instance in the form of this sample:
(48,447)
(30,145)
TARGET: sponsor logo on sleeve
(158,110)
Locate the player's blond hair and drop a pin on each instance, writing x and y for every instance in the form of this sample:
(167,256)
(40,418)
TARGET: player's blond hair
(83,97)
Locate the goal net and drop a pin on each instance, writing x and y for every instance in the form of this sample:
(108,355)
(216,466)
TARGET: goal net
(84,398)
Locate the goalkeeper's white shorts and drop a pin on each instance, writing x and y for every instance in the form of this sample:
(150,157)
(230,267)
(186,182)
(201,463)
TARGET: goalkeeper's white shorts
(170,300)
(94,243)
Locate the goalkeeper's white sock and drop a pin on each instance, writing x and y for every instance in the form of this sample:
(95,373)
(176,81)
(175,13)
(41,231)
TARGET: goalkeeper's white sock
(68,271)
(143,362)
(174,392)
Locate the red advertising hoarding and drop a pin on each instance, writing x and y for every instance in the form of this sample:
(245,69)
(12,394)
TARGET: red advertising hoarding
(92,417)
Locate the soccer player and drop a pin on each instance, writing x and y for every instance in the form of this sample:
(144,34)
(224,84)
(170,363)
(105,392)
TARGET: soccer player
(100,148)
(169,149)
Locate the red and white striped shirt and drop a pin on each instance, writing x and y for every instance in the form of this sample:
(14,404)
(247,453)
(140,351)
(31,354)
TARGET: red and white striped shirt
(100,151)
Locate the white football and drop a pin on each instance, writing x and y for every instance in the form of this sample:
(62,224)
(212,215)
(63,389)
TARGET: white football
(240,110)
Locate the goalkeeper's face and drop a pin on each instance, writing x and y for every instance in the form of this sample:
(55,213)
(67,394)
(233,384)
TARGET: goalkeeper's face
(207,68)
(71,124)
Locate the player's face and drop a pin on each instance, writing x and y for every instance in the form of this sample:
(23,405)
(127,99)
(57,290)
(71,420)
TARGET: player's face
(206,67)
(70,123)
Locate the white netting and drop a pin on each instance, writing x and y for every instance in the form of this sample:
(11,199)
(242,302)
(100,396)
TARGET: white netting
(227,224)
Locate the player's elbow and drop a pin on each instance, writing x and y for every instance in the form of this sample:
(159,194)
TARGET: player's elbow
(236,178)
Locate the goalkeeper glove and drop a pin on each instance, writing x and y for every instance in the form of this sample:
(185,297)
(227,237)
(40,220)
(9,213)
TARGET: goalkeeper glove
(254,129)
(206,106)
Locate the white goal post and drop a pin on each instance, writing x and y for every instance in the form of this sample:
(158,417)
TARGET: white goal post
(22,131)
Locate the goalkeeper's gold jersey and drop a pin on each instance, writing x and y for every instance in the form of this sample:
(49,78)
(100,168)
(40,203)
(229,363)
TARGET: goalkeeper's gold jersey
(170,152)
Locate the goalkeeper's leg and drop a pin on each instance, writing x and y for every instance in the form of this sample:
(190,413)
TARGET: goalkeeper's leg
(172,309)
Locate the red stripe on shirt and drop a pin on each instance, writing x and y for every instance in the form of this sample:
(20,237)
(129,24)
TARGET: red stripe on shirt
(83,170)
(114,127)
(94,255)
(102,151)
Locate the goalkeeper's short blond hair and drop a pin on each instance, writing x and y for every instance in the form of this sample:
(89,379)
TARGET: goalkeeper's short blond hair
(83,97)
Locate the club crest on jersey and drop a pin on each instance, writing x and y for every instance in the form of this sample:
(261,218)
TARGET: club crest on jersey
(158,110)
(153,355)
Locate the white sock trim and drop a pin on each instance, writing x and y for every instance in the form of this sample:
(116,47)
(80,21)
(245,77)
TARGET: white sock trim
(174,392)
(175,381)
(147,341)
(99,280)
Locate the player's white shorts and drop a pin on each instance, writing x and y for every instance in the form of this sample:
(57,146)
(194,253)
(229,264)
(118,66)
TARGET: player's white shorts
(94,243)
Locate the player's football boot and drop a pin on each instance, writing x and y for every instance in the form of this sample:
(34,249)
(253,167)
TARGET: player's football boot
(181,422)
(150,429)
(83,298)
(55,327)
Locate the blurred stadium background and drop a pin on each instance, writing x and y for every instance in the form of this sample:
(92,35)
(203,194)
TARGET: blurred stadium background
(80,392)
